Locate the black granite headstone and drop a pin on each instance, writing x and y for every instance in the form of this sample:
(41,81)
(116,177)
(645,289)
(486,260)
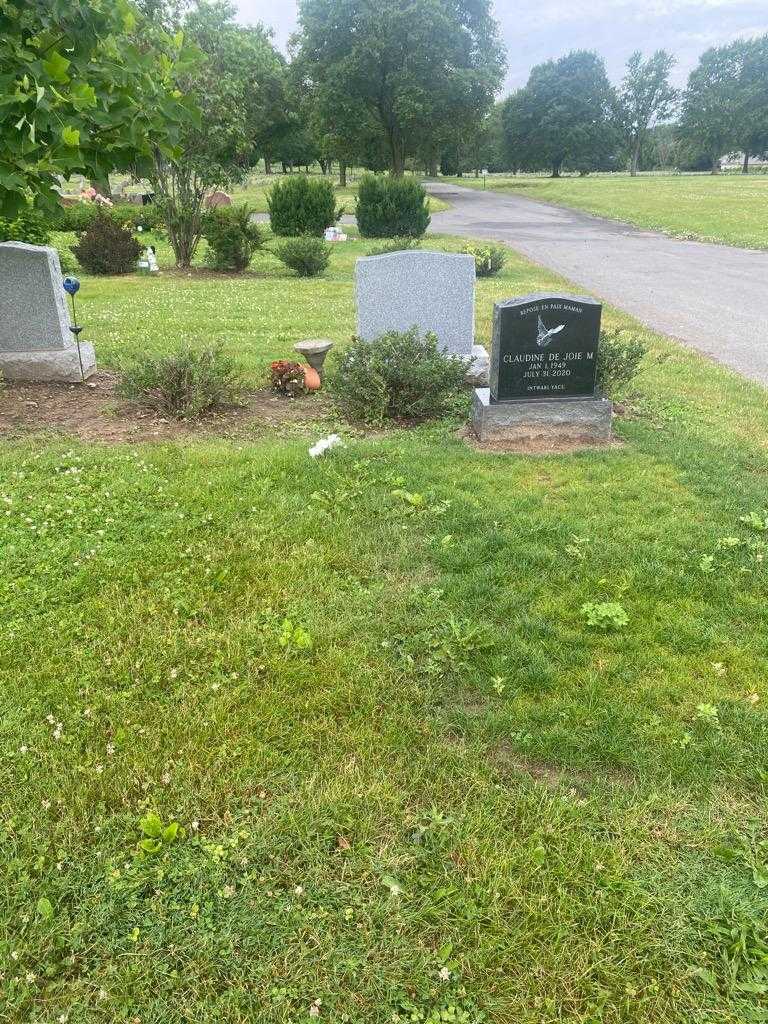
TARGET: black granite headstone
(544,346)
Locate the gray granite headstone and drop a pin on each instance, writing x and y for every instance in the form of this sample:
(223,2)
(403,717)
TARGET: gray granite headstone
(35,340)
(33,310)
(434,291)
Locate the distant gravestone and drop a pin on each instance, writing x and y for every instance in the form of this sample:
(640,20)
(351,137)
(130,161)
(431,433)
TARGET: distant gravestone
(433,291)
(35,341)
(216,199)
(543,372)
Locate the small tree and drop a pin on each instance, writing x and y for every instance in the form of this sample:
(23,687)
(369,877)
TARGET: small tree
(644,98)
(227,85)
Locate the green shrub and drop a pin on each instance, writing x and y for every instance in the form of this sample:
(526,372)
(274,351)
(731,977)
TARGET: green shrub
(74,218)
(300,206)
(80,217)
(489,259)
(232,237)
(184,383)
(29,226)
(149,218)
(391,208)
(307,256)
(394,245)
(397,376)
(67,261)
(618,361)
(106,247)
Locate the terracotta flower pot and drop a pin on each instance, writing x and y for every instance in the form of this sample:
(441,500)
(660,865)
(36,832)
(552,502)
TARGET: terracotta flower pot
(311,378)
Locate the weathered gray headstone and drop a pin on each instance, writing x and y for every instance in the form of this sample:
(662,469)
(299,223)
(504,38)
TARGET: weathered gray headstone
(35,340)
(434,291)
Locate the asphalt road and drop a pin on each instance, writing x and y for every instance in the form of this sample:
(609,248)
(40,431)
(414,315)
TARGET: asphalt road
(711,297)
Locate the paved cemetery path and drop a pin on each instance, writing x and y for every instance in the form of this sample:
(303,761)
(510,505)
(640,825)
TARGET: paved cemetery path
(712,297)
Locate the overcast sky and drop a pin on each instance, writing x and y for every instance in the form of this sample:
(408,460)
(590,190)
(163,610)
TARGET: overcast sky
(535,30)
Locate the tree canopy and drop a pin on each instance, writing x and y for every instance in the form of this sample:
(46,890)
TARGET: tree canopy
(83,92)
(562,116)
(412,72)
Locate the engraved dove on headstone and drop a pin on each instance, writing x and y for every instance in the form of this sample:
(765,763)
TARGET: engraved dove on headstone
(544,336)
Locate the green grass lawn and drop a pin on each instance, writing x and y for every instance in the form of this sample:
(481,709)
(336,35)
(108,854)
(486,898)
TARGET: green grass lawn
(414,783)
(713,208)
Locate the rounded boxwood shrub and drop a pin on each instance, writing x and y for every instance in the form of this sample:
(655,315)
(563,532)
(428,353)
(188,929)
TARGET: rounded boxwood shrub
(232,237)
(308,256)
(618,361)
(397,376)
(301,206)
(391,207)
(107,247)
(489,259)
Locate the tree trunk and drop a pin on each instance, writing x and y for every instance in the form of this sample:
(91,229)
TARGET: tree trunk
(745,165)
(556,169)
(267,165)
(397,165)
(342,174)
(715,165)
(635,159)
(432,164)
(324,166)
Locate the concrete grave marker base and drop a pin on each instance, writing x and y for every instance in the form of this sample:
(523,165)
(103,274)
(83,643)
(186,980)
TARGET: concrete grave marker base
(55,366)
(556,419)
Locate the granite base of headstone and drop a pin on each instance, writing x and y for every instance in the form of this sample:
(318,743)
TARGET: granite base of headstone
(433,291)
(543,373)
(36,343)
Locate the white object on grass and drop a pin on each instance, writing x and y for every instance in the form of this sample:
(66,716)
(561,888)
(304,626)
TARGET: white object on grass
(324,445)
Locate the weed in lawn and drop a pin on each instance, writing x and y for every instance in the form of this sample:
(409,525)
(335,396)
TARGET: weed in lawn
(605,614)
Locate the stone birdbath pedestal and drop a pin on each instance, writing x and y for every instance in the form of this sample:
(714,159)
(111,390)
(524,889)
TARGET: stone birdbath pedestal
(314,351)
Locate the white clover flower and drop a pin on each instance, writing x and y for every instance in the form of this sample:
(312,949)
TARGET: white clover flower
(445,974)
(325,444)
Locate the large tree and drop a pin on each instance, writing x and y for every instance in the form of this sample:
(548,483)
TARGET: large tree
(416,70)
(713,111)
(86,87)
(562,116)
(753,99)
(644,98)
